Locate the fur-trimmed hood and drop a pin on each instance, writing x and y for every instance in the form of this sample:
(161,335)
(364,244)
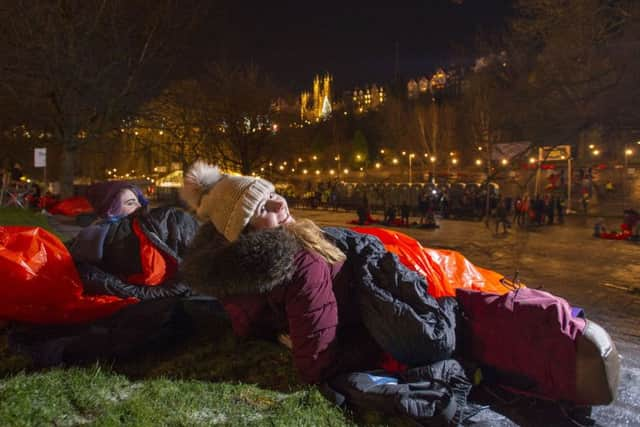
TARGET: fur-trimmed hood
(256,262)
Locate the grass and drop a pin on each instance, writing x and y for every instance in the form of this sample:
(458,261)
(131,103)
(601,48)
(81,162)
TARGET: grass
(18,216)
(208,378)
(27,217)
(94,396)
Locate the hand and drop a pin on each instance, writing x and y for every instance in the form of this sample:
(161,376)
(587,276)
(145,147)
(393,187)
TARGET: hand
(285,340)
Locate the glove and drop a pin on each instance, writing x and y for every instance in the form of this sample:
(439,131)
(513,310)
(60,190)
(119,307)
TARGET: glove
(99,282)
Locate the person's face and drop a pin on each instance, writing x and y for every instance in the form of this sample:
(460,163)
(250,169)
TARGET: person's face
(272,211)
(128,202)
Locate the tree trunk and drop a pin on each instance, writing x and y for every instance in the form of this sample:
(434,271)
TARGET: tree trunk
(68,170)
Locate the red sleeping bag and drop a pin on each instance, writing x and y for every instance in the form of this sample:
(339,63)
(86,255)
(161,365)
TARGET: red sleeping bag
(445,270)
(529,333)
(532,335)
(71,206)
(40,283)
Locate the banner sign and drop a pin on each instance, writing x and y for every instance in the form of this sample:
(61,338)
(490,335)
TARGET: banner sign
(509,150)
(554,154)
(40,157)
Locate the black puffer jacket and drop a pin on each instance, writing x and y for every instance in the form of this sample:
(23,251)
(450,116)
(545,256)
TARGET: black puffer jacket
(108,251)
(414,327)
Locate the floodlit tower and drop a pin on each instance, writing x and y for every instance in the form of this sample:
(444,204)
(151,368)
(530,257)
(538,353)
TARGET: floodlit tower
(317,101)
(326,96)
(304,101)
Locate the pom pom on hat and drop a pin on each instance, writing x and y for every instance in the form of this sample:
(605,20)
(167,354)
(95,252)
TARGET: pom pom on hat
(228,201)
(200,178)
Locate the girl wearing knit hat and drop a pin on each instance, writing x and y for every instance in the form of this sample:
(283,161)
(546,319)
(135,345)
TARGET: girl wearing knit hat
(287,279)
(131,251)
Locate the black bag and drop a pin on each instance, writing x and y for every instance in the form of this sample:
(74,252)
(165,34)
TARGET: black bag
(431,395)
(142,327)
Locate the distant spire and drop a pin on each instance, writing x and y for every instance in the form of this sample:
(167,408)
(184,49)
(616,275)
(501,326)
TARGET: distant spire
(396,70)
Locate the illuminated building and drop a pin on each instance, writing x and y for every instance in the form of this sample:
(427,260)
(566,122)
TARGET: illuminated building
(320,100)
(362,100)
(439,79)
(412,89)
(425,85)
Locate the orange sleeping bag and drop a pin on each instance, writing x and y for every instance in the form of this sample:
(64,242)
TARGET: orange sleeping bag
(445,270)
(40,283)
(71,206)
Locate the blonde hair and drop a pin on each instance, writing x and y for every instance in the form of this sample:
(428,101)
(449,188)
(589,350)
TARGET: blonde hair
(312,238)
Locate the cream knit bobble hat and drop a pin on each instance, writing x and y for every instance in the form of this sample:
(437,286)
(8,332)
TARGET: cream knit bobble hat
(228,201)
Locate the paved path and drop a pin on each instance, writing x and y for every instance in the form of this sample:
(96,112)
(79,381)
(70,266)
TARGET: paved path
(64,225)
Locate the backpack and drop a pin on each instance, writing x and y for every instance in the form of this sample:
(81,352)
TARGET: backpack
(434,395)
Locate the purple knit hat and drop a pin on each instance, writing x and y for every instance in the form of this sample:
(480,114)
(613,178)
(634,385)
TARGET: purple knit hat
(103,196)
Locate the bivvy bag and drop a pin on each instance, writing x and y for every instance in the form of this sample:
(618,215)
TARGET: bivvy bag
(533,338)
(432,395)
(444,270)
(143,327)
(72,206)
(40,283)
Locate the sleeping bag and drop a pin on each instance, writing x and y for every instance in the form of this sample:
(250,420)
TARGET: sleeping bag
(536,345)
(535,341)
(40,283)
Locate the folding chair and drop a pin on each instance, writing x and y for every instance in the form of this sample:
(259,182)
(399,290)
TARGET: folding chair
(12,194)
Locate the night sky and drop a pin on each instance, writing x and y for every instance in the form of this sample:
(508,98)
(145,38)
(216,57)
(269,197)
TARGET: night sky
(353,40)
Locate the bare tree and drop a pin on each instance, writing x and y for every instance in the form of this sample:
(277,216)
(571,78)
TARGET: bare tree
(241,115)
(176,125)
(568,61)
(78,67)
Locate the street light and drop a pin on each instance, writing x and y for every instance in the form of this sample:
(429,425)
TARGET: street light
(627,152)
(432,159)
(411,156)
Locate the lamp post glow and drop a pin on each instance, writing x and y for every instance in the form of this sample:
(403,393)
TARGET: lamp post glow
(411,156)
(627,153)
(432,159)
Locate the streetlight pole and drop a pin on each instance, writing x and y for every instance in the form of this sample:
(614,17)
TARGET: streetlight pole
(410,171)
(432,159)
(627,153)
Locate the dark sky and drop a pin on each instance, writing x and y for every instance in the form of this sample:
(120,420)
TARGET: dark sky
(353,40)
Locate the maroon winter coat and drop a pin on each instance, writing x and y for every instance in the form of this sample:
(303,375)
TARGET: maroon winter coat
(270,285)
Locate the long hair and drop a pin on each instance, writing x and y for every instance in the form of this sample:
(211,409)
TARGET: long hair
(312,238)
